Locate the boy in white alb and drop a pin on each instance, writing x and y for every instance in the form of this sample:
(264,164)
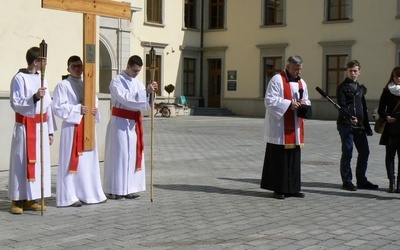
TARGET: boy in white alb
(78,179)
(26,93)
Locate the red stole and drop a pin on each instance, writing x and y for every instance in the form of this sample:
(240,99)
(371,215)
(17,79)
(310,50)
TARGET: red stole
(77,147)
(30,130)
(137,116)
(289,117)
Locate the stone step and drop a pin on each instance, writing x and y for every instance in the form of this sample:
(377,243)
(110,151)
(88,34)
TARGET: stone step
(212,111)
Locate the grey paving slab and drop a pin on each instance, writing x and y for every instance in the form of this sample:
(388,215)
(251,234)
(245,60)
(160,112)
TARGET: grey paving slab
(206,196)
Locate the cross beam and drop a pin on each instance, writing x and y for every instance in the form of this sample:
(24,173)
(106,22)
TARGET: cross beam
(90,8)
(95,7)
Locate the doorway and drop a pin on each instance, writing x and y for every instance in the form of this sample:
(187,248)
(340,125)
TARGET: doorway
(214,83)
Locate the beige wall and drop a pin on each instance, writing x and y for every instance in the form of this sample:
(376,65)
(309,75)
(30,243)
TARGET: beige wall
(6,126)
(24,25)
(374,25)
(166,39)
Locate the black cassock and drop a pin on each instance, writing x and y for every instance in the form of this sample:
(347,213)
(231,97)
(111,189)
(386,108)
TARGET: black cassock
(281,172)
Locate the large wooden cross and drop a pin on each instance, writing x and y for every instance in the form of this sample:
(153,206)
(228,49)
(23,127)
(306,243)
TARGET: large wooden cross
(90,8)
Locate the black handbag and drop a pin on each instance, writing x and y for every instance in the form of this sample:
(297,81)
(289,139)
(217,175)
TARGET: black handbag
(380,123)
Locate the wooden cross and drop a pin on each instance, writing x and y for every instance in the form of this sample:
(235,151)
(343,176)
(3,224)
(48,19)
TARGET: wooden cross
(90,8)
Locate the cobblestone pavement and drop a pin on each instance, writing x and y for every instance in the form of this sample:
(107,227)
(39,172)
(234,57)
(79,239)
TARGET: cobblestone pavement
(206,196)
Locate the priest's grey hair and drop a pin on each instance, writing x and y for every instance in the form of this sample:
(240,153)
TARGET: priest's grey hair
(295,60)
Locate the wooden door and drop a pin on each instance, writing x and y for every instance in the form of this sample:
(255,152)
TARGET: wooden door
(214,83)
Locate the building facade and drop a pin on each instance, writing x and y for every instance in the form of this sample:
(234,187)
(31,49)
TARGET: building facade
(217,53)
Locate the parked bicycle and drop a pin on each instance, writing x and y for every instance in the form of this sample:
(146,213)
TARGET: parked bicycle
(162,110)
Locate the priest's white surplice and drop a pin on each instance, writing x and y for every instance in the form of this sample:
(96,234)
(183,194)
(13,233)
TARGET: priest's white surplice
(276,105)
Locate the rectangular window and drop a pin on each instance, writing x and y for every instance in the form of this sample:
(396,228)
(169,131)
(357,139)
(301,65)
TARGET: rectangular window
(216,14)
(398,9)
(339,10)
(157,72)
(189,76)
(335,72)
(272,66)
(154,11)
(273,12)
(190,14)
(397,55)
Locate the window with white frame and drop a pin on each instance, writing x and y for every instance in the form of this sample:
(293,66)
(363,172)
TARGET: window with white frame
(338,10)
(189,76)
(191,71)
(398,9)
(335,55)
(272,65)
(158,71)
(191,14)
(272,62)
(335,71)
(273,12)
(397,42)
(154,11)
(215,14)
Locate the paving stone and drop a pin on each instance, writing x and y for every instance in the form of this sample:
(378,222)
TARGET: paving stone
(206,195)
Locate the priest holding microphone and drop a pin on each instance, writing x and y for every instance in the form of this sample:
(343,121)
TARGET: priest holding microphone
(286,102)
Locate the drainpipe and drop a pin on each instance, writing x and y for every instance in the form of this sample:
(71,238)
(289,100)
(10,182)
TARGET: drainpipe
(119,42)
(201,101)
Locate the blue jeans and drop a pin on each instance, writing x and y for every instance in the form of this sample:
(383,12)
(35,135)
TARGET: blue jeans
(348,136)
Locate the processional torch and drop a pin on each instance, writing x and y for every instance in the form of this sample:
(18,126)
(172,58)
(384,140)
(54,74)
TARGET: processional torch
(152,72)
(43,62)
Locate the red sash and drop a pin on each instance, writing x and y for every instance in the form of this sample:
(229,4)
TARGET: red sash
(30,128)
(77,147)
(289,117)
(137,116)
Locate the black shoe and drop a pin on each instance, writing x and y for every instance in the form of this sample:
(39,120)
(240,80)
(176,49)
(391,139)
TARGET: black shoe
(76,204)
(349,186)
(368,185)
(391,187)
(115,197)
(132,196)
(397,190)
(297,195)
(279,196)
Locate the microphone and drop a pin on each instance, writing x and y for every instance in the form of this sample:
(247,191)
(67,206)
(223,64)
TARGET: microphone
(337,106)
(301,91)
(321,92)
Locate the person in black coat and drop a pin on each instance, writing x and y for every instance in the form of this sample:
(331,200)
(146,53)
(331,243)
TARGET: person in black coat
(389,110)
(351,99)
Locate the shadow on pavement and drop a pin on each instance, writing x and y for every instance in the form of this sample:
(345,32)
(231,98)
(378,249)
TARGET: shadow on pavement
(213,189)
(307,187)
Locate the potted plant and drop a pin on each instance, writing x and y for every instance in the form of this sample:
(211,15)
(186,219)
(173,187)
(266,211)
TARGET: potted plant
(169,88)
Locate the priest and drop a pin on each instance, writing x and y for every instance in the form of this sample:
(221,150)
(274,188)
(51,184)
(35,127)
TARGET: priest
(284,130)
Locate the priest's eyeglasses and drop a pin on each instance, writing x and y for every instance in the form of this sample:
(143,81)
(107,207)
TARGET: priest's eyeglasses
(74,66)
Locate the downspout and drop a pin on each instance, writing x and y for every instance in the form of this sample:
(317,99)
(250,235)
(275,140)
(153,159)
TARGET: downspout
(201,100)
(119,46)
